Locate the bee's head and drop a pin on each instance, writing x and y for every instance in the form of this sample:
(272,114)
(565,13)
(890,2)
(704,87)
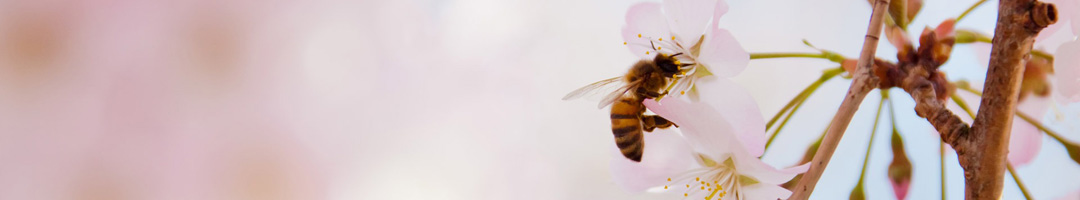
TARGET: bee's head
(667,63)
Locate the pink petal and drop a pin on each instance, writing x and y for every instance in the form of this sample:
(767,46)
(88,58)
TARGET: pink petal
(667,154)
(1067,71)
(1025,140)
(900,189)
(689,18)
(644,22)
(706,129)
(722,54)
(725,107)
(721,9)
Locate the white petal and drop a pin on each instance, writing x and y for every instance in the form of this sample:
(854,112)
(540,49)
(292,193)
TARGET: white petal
(764,191)
(765,173)
(727,117)
(689,18)
(722,54)
(644,22)
(666,155)
(706,130)
(733,101)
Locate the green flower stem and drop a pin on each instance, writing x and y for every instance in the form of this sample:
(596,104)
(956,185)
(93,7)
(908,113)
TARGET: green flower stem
(795,103)
(1023,189)
(1023,116)
(977,4)
(873,133)
(941,149)
(786,55)
(1042,128)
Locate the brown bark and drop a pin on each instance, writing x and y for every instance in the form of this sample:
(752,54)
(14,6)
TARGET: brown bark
(982,147)
(982,152)
(864,82)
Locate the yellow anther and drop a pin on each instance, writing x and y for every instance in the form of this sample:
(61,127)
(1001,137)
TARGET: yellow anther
(687,185)
(668,179)
(672,37)
(646,52)
(665,187)
(685,194)
(658,48)
(702,187)
(715,181)
(697,179)
(676,61)
(682,92)
(639,35)
(661,39)
(703,182)
(708,184)
(623,43)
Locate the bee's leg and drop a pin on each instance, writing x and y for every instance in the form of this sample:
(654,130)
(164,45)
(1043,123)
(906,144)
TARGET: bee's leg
(650,122)
(652,94)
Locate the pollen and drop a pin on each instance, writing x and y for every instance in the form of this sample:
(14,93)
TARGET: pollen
(639,35)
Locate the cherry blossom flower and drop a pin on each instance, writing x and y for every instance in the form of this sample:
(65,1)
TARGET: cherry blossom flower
(724,133)
(687,29)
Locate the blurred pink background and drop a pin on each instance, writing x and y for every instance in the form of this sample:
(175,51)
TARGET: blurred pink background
(404,99)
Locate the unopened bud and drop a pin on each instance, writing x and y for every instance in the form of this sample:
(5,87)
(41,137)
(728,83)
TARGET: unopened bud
(900,168)
(857,193)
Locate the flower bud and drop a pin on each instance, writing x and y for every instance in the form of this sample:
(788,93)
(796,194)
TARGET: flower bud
(857,193)
(900,168)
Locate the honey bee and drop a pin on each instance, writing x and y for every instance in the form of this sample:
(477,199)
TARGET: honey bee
(646,79)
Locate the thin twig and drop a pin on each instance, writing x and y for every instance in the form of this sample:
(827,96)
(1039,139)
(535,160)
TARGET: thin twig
(863,83)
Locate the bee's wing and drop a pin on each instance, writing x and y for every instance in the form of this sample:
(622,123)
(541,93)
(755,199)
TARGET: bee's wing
(614,96)
(611,88)
(606,85)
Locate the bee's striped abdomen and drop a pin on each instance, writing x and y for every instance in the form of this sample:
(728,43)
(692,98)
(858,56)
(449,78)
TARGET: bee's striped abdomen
(626,126)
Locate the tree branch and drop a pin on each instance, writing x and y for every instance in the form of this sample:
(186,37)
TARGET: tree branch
(864,81)
(983,155)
